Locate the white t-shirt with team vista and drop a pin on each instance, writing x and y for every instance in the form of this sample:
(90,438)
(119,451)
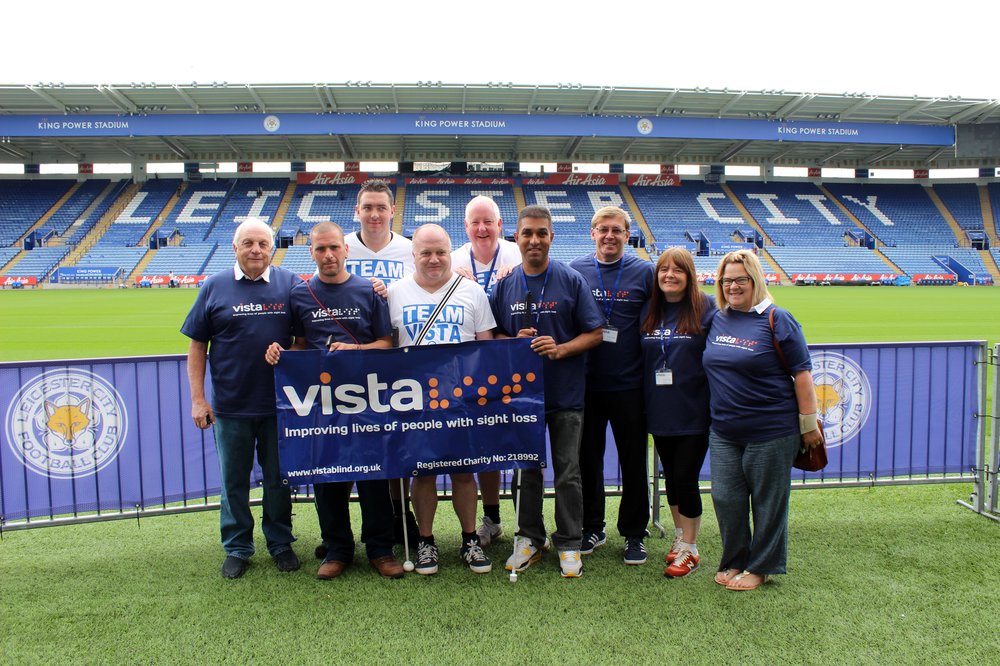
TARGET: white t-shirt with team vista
(466,313)
(390,264)
(509,255)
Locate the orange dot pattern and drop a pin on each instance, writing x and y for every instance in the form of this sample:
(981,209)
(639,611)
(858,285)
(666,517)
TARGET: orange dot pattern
(507,391)
(325,377)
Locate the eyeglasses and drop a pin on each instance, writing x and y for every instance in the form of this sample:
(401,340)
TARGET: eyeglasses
(740,282)
(617,231)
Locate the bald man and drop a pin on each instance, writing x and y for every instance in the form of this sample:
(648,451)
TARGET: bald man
(467,317)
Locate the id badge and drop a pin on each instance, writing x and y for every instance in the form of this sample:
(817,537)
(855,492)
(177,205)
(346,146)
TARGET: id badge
(664,377)
(610,333)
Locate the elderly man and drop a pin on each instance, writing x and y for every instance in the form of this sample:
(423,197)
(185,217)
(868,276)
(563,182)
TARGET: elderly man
(338,311)
(549,302)
(237,314)
(486,258)
(376,252)
(621,285)
(464,316)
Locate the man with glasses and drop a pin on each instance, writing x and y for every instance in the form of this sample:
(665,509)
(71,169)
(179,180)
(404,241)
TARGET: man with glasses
(620,284)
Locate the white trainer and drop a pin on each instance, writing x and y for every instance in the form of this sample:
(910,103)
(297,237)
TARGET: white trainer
(570,564)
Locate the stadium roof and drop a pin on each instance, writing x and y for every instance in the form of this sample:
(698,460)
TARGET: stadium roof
(366,97)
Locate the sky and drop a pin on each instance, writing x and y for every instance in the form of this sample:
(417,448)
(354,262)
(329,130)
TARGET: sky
(873,47)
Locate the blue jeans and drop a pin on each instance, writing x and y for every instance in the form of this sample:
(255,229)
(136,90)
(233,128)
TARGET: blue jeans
(565,428)
(236,439)
(752,478)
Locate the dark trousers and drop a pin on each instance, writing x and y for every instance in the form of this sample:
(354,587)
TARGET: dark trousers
(682,457)
(624,410)
(334,513)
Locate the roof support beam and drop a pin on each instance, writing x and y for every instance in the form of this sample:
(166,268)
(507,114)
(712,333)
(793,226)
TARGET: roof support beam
(915,109)
(13,151)
(794,105)
(465,92)
(971,112)
(531,102)
(882,154)
(592,107)
(48,98)
(347,148)
(292,150)
(607,98)
(731,103)
(123,150)
(680,150)
(830,156)
(777,156)
(176,147)
(937,153)
(628,147)
(187,99)
(118,99)
(732,150)
(572,145)
(233,147)
(66,149)
(854,108)
(665,104)
(395,98)
(256,98)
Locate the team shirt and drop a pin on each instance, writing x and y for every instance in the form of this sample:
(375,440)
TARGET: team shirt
(681,407)
(563,308)
(390,264)
(508,254)
(752,395)
(466,313)
(239,318)
(353,303)
(621,288)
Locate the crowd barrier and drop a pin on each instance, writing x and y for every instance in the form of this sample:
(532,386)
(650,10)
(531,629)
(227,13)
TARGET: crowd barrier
(985,497)
(102,439)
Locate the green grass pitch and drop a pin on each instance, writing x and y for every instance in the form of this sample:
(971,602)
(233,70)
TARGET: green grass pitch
(886,575)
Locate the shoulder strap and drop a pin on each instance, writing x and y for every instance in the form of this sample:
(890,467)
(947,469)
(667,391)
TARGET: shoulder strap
(774,340)
(437,311)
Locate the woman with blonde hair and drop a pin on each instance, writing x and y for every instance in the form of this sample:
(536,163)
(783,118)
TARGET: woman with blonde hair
(675,323)
(763,407)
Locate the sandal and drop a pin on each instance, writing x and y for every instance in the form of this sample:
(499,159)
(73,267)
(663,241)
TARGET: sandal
(724,577)
(739,582)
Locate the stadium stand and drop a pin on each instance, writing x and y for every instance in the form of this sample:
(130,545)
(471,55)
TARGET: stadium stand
(108,256)
(182,259)
(23,203)
(7,253)
(297,260)
(321,203)
(993,189)
(72,208)
(572,208)
(794,214)
(39,262)
(675,213)
(79,231)
(198,208)
(920,258)
(444,204)
(828,260)
(896,214)
(257,197)
(962,200)
(135,219)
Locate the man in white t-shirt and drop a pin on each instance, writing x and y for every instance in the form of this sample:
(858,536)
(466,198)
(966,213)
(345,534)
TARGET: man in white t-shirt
(376,252)
(466,316)
(485,259)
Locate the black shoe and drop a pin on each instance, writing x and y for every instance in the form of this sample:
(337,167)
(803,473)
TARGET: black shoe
(321,551)
(233,567)
(411,528)
(287,561)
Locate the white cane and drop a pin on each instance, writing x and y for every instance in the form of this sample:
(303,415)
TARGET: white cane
(408,564)
(517,526)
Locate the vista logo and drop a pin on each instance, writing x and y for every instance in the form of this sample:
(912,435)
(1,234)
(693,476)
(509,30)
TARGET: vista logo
(406,396)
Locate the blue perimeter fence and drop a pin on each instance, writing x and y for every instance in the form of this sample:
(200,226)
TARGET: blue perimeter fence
(103,439)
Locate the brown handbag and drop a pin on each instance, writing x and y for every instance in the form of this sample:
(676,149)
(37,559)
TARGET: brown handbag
(807,459)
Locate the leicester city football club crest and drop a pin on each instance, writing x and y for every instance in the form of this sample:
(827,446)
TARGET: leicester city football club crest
(66,423)
(645,126)
(843,396)
(272,123)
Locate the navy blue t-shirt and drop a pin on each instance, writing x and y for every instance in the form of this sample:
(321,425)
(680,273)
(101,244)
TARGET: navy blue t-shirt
(680,408)
(563,309)
(354,304)
(617,366)
(239,319)
(752,395)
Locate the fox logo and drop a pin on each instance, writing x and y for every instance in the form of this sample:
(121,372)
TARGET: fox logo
(843,396)
(828,399)
(68,427)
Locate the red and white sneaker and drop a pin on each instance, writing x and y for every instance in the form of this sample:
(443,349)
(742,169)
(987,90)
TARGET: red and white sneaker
(686,562)
(674,549)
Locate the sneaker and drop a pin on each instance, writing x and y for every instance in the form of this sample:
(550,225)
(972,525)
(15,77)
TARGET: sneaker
(570,564)
(592,540)
(233,567)
(674,549)
(474,556)
(635,550)
(685,563)
(427,558)
(287,561)
(525,555)
(489,532)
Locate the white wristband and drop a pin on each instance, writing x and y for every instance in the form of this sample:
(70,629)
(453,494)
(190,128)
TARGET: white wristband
(807,423)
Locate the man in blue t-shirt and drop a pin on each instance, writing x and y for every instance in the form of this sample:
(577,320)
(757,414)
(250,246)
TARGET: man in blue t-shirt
(238,312)
(340,312)
(549,302)
(621,285)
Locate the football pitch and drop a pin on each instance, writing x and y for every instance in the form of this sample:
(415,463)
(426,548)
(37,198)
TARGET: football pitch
(879,575)
(92,323)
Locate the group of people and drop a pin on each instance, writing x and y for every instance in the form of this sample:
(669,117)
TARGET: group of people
(641,349)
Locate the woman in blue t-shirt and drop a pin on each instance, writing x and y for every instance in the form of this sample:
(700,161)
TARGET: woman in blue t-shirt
(675,323)
(763,407)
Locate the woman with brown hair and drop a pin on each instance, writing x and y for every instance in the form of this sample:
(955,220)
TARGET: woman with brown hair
(675,324)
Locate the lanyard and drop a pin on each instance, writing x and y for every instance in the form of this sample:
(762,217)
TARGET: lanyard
(665,347)
(609,307)
(533,312)
(489,273)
